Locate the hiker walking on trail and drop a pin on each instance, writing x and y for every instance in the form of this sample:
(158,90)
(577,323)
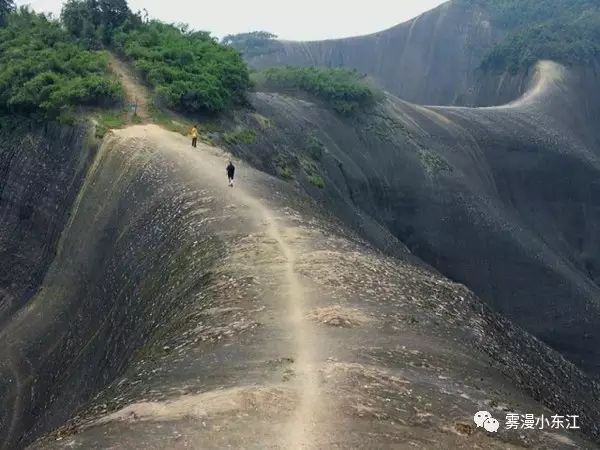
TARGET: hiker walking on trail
(194,136)
(230,173)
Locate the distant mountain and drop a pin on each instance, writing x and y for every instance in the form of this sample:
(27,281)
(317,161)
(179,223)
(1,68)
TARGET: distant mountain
(430,59)
(461,53)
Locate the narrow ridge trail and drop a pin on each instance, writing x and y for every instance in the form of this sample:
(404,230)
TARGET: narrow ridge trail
(210,162)
(297,436)
(299,433)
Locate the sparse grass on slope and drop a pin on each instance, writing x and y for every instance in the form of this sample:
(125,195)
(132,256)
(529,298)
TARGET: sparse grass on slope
(108,120)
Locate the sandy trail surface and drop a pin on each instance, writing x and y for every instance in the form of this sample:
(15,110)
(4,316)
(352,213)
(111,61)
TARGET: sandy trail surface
(137,94)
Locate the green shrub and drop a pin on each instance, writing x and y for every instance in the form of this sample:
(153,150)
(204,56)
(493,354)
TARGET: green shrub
(315,147)
(243,136)
(95,21)
(285,173)
(254,43)
(344,90)
(317,181)
(190,71)
(44,72)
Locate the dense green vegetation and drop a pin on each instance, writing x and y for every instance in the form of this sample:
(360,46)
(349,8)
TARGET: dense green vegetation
(514,14)
(566,31)
(44,72)
(346,91)
(94,22)
(190,71)
(48,67)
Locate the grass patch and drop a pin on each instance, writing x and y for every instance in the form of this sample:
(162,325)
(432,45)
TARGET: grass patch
(317,181)
(285,173)
(212,127)
(167,121)
(312,171)
(433,163)
(315,147)
(263,122)
(283,165)
(309,167)
(109,120)
(242,136)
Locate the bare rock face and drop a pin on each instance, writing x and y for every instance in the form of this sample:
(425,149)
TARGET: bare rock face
(40,175)
(431,59)
(502,199)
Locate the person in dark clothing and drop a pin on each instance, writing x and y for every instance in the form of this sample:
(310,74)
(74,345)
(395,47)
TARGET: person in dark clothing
(230,173)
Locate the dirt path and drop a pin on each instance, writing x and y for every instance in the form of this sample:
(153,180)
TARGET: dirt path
(136,93)
(211,162)
(300,428)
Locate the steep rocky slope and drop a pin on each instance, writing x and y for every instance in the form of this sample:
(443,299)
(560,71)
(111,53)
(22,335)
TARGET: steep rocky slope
(431,59)
(40,175)
(249,317)
(502,199)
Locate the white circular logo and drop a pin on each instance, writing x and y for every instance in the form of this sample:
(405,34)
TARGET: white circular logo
(491,425)
(481,417)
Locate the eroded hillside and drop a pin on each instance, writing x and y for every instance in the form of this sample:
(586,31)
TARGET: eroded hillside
(502,199)
(246,317)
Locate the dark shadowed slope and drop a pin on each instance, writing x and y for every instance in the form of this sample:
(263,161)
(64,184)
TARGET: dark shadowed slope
(431,59)
(503,199)
(40,176)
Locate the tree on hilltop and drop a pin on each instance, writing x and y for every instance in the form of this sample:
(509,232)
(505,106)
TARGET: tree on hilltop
(6,7)
(96,20)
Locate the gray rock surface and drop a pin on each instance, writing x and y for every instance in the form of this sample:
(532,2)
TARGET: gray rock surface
(40,176)
(502,199)
(181,313)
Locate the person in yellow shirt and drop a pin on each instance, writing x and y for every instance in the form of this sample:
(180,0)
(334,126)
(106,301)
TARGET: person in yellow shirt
(194,136)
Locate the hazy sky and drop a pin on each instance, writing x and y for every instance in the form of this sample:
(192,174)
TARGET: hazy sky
(289,19)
